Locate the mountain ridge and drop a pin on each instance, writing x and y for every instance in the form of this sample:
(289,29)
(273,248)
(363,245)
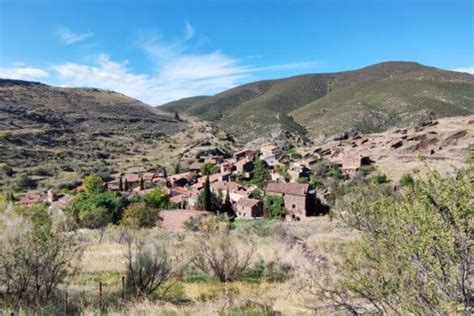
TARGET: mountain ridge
(252,110)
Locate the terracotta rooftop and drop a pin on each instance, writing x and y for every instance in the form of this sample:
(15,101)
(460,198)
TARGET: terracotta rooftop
(179,176)
(131,177)
(288,188)
(232,186)
(242,162)
(248,202)
(196,165)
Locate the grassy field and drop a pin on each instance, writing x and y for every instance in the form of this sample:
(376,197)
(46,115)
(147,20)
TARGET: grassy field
(273,283)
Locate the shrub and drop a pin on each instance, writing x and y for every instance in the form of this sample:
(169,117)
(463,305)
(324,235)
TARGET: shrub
(24,182)
(149,269)
(406,180)
(95,217)
(274,206)
(138,215)
(221,253)
(6,170)
(379,179)
(296,156)
(93,184)
(207,169)
(415,251)
(302,180)
(41,171)
(34,258)
(107,205)
(320,168)
(157,199)
(335,173)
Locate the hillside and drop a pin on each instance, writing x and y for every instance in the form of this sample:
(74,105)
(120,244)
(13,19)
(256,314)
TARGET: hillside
(371,99)
(67,131)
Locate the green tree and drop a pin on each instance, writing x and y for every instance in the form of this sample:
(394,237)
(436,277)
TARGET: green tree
(208,201)
(260,173)
(142,184)
(93,184)
(157,198)
(177,168)
(207,169)
(414,255)
(120,184)
(96,210)
(138,215)
(126,186)
(274,206)
(227,207)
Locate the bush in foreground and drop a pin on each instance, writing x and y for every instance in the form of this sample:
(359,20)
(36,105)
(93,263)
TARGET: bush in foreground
(415,251)
(219,252)
(34,258)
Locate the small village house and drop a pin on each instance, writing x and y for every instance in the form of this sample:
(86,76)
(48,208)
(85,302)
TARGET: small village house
(236,191)
(244,167)
(350,164)
(227,167)
(196,166)
(248,154)
(299,201)
(248,208)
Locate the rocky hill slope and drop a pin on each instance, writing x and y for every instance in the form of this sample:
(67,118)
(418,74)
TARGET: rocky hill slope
(69,130)
(440,145)
(371,99)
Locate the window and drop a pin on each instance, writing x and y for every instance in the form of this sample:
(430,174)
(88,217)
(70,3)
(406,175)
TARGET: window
(294,206)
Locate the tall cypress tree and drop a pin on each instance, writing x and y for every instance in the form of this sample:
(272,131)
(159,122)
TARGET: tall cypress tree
(120,184)
(142,184)
(126,185)
(207,195)
(227,207)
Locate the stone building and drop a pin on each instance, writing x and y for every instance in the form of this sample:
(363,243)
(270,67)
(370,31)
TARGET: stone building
(299,201)
(247,208)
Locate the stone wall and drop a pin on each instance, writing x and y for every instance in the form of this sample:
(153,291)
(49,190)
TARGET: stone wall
(175,219)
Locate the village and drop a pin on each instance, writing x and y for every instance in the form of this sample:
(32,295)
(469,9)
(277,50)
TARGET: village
(294,174)
(285,174)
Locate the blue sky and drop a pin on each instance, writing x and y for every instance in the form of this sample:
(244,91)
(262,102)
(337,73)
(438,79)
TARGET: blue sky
(158,51)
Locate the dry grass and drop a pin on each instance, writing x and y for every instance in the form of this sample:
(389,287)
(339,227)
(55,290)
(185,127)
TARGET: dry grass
(105,262)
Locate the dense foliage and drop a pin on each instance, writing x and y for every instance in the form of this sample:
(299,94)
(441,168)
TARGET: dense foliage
(97,209)
(274,206)
(415,254)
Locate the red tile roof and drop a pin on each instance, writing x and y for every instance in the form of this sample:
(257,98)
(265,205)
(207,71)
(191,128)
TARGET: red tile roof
(288,188)
(248,202)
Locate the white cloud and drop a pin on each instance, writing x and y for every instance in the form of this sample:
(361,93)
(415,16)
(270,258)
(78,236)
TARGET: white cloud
(176,74)
(21,72)
(465,69)
(189,31)
(69,37)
